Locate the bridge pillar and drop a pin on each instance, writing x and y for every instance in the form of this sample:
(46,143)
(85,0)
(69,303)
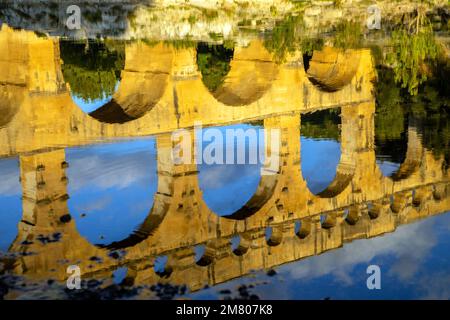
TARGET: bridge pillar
(288,195)
(47,227)
(44,190)
(414,154)
(357,156)
(223,264)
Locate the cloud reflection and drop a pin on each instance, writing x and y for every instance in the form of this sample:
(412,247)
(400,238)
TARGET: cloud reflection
(111,188)
(408,244)
(10,173)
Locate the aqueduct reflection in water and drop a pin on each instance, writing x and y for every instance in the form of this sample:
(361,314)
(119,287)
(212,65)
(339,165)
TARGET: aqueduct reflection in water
(156,96)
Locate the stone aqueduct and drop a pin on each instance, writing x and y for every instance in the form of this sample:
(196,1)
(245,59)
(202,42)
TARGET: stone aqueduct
(161,90)
(157,96)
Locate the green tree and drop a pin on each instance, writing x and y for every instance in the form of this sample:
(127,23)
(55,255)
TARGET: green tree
(348,35)
(288,37)
(321,125)
(92,69)
(214,63)
(389,120)
(414,50)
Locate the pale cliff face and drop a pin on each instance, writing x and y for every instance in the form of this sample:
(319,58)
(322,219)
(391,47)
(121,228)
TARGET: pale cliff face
(205,20)
(164,19)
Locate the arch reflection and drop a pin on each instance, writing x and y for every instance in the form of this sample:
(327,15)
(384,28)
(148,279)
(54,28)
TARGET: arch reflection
(111,82)
(101,177)
(228,187)
(320,148)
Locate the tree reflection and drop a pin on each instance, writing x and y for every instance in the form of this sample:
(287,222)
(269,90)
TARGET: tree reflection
(288,36)
(348,35)
(92,69)
(414,50)
(389,120)
(430,107)
(214,63)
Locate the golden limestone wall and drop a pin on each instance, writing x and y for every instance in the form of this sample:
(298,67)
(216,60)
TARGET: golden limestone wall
(180,219)
(167,92)
(180,231)
(357,204)
(46,226)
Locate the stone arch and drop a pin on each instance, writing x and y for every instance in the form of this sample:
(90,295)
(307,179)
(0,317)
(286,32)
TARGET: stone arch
(320,133)
(251,75)
(350,139)
(215,249)
(353,215)
(400,201)
(147,228)
(344,176)
(275,237)
(421,195)
(374,209)
(329,220)
(144,81)
(237,174)
(414,154)
(207,258)
(166,268)
(244,244)
(304,228)
(270,172)
(163,199)
(331,69)
(264,192)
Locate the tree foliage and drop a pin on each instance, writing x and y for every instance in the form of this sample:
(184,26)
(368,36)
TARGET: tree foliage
(414,49)
(321,125)
(288,37)
(410,56)
(214,64)
(92,69)
(348,35)
(430,107)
